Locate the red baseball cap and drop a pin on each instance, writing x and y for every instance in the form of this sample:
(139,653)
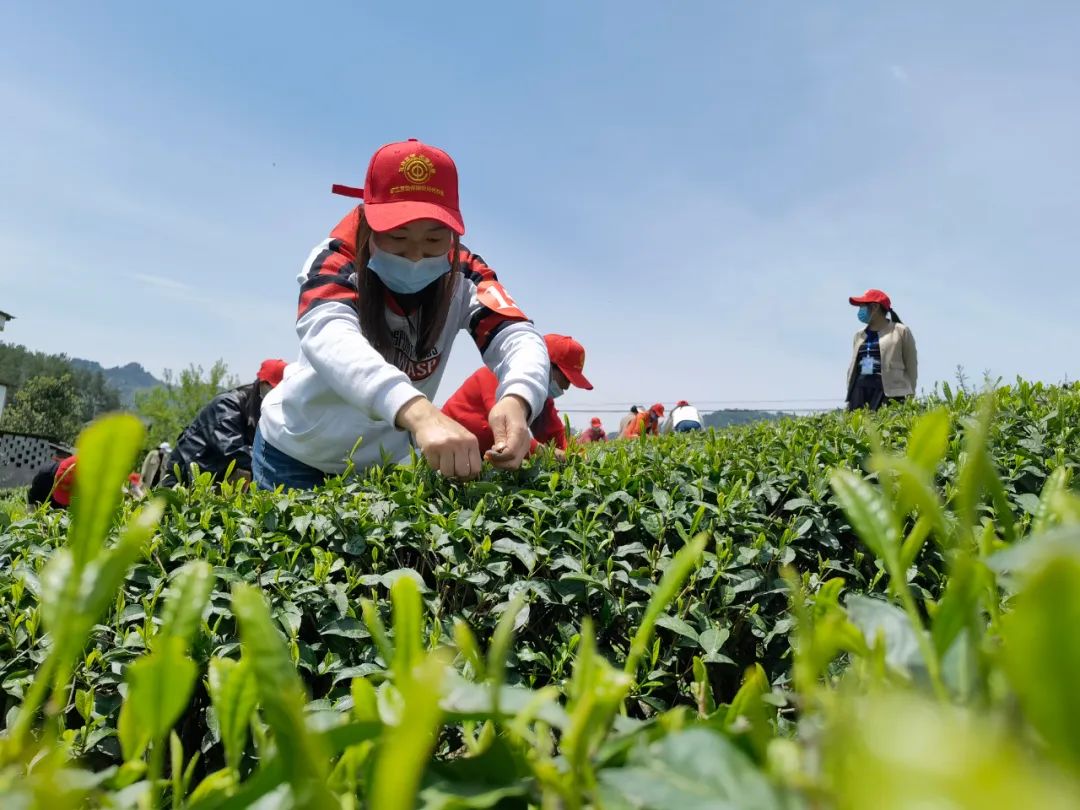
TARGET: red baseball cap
(682,403)
(595,422)
(407,181)
(569,356)
(872,297)
(64,481)
(658,409)
(271,371)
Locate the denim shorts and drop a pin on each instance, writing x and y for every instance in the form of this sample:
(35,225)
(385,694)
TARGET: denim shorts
(687,426)
(271,468)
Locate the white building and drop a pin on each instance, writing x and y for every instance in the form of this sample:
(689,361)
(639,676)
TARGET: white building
(4,318)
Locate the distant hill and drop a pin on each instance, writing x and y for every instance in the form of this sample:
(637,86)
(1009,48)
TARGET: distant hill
(93,393)
(738,416)
(125,379)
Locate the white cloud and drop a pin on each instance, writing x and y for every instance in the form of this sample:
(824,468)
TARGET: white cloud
(160,282)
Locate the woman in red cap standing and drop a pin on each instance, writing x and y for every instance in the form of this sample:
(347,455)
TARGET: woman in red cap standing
(470,405)
(381,301)
(884,362)
(224,430)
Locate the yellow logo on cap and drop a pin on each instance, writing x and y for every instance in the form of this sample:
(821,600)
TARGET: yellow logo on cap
(417,168)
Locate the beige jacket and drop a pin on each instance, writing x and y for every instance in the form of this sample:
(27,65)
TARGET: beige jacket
(899,360)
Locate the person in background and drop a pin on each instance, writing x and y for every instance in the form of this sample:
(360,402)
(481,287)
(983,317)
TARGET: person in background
(381,301)
(646,423)
(624,423)
(594,433)
(684,418)
(470,405)
(884,361)
(53,484)
(134,487)
(224,430)
(155,465)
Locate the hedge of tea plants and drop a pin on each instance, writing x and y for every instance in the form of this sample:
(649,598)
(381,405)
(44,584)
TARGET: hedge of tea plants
(653,623)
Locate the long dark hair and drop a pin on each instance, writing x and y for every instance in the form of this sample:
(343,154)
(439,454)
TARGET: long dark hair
(431,304)
(891,313)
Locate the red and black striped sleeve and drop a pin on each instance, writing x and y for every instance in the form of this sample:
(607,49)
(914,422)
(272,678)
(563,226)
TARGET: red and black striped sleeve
(491,309)
(330,277)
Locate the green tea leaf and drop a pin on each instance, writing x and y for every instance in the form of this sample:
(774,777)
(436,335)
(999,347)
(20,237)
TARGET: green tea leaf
(671,583)
(712,640)
(377,629)
(897,751)
(159,688)
(78,607)
(1042,655)
(678,626)
(106,453)
(1056,485)
(281,694)
(917,492)
(468,647)
(958,607)
(365,700)
(928,440)
(747,701)
(749,707)
(233,694)
(406,747)
(878,619)
(186,600)
(408,627)
(702,689)
(695,769)
(500,643)
(56,604)
(870,516)
(522,551)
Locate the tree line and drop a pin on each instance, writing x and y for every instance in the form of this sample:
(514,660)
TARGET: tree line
(48,396)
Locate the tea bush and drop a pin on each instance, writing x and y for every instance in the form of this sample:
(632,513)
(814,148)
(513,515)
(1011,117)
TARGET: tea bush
(764,589)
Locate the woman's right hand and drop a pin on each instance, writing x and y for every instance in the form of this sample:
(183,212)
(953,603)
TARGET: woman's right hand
(446,445)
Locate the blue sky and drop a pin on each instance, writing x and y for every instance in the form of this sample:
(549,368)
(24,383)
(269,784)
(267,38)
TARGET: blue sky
(691,189)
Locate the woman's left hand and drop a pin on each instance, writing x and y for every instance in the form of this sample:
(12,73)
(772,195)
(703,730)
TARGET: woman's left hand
(510,427)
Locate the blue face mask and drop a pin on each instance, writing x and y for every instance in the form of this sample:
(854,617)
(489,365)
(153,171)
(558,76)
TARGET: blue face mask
(864,314)
(404,275)
(554,391)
